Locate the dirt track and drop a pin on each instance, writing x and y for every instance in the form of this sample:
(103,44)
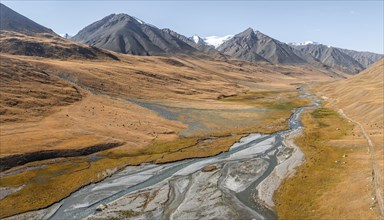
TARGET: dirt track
(376,174)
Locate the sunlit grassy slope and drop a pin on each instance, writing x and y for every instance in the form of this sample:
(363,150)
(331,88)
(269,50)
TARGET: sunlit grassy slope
(334,181)
(337,180)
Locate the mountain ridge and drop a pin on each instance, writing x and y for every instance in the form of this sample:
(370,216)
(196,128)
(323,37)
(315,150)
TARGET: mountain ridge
(126,34)
(13,21)
(253,45)
(342,59)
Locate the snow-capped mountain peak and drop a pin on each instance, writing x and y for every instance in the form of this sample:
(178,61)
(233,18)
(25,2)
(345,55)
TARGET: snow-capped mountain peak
(216,41)
(196,38)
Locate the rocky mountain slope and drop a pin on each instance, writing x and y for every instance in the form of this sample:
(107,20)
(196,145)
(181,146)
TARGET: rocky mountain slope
(364,58)
(125,34)
(341,59)
(13,21)
(200,46)
(332,57)
(253,45)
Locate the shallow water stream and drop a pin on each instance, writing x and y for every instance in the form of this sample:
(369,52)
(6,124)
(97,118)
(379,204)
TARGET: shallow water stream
(181,190)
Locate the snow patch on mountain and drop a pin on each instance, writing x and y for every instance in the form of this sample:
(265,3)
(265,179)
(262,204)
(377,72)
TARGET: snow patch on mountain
(138,20)
(196,38)
(308,42)
(216,41)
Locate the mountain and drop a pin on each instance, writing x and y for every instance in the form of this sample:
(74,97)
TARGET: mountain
(303,43)
(332,57)
(200,46)
(125,34)
(215,41)
(253,45)
(198,40)
(364,58)
(13,21)
(342,59)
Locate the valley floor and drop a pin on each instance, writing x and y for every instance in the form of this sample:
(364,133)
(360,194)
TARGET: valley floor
(93,118)
(335,181)
(163,125)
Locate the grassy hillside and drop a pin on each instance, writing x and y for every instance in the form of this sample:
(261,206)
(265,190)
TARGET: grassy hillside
(344,148)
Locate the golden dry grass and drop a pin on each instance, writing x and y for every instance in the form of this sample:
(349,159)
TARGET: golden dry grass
(328,185)
(361,98)
(49,118)
(153,148)
(50,45)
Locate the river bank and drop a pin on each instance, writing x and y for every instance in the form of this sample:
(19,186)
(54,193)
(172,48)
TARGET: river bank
(334,181)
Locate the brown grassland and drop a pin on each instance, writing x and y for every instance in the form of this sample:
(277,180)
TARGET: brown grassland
(335,180)
(53,101)
(362,99)
(328,185)
(76,172)
(73,103)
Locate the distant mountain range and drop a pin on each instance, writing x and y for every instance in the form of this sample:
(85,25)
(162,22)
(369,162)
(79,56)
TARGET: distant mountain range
(213,41)
(341,59)
(126,34)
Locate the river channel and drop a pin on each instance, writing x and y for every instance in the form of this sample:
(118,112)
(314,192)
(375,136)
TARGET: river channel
(237,187)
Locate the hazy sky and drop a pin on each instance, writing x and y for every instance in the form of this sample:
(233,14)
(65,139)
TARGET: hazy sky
(354,25)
